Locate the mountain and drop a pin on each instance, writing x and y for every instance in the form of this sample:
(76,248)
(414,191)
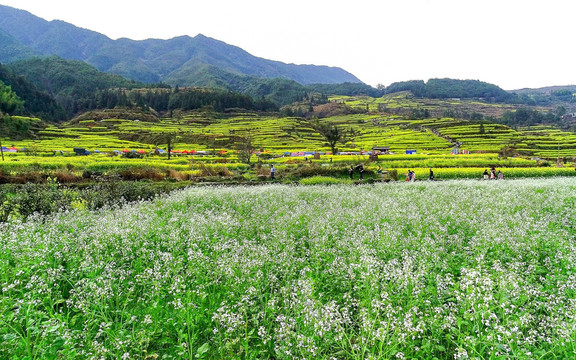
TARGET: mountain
(545,90)
(173,61)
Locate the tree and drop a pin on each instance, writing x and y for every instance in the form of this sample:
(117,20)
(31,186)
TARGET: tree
(213,142)
(9,101)
(245,147)
(168,138)
(331,133)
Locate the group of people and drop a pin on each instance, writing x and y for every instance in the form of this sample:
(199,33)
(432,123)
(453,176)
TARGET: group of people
(411,175)
(493,175)
(359,168)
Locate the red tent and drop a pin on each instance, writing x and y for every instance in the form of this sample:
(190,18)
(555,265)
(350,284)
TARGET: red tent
(125,151)
(141,151)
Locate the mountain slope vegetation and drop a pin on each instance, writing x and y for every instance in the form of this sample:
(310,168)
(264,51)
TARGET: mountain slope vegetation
(452,88)
(34,101)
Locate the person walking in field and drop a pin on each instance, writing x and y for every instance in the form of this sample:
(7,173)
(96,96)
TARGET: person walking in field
(486,174)
(361,171)
(351,172)
(413,178)
(272,172)
(500,175)
(493,174)
(409,175)
(431,175)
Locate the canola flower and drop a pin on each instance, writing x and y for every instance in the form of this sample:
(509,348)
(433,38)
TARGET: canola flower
(447,270)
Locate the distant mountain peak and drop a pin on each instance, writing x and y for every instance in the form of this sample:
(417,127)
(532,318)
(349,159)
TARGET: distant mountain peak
(173,61)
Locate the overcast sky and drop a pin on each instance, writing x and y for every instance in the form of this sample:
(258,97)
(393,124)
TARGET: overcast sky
(511,43)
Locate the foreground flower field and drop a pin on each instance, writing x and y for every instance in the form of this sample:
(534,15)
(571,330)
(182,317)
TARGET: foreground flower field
(447,270)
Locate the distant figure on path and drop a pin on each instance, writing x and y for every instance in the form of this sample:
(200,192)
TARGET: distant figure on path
(500,175)
(272,172)
(493,174)
(431,175)
(409,175)
(413,178)
(330,160)
(351,172)
(486,174)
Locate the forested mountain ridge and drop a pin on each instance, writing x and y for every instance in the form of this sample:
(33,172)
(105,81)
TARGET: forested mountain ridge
(19,97)
(57,89)
(23,35)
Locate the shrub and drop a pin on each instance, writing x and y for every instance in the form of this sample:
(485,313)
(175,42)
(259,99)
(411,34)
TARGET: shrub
(147,173)
(324,180)
(206,171)
(173,174)
(66,177)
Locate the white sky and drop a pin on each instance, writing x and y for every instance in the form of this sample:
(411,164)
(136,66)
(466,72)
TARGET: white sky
(511,43)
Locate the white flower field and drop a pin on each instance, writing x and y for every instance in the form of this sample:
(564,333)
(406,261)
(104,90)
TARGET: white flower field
(425,270)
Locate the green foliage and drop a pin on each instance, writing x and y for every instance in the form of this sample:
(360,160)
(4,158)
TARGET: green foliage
(9,101)
(350,89)
(244,145)
(18,128)
(23,201)
(528,117)
(416,87)
(331,133)
(420,114)
(452,88)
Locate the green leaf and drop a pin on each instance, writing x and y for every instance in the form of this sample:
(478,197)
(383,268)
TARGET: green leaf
(202,350)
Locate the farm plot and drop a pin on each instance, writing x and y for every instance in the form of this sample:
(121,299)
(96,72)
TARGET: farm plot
(407,270)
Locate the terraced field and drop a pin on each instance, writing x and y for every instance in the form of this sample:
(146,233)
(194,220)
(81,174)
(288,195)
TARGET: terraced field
(433,139)
(402,103)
